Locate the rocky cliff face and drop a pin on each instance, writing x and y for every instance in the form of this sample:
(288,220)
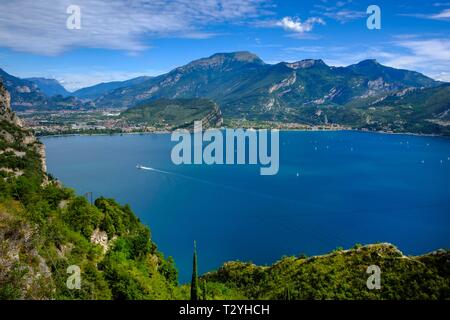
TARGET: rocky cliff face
(5,107)
(19,277)
(15,140)
(213,119)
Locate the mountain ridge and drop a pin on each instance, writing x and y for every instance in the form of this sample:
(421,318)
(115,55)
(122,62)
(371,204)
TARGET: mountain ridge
(232,79)
(306,91)
(26,95)
(246,88)
(50,87)
(94,91)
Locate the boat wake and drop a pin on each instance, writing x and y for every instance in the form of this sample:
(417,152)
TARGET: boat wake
(151,169)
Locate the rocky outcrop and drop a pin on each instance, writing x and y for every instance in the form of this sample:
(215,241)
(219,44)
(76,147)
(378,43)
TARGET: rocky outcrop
(305,64)
(213,119)
(100,238)
(5,107)
(40,148)
(18,140)
(17,249)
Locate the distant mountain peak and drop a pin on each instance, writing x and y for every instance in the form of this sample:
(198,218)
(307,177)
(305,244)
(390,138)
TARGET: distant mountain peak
(42,79)
(244,56)
(219,59)
(306,63)
(97,90)
(368,62)
(49,87)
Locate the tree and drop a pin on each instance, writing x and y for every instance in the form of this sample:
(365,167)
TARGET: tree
(83,217)
(194,282)
(204,290)
(287,293)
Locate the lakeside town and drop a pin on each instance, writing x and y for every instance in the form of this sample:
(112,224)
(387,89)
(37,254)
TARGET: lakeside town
(108,121)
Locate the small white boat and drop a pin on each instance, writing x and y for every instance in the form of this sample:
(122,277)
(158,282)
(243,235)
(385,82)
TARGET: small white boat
(144,168)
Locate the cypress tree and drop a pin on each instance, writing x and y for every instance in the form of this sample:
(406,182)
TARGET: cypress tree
(287,293)
(194,282)
(204,289)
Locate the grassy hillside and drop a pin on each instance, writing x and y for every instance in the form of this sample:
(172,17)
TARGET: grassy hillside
(174,113)
(338,275)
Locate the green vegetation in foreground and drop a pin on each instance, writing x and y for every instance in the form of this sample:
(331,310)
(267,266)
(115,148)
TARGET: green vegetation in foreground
(46,229)
(338,275)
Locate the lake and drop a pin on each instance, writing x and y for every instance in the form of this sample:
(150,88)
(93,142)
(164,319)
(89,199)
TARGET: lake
(333,189)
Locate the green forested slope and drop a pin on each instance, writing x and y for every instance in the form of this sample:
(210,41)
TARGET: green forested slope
(174,113)
(45,228)
(339,275)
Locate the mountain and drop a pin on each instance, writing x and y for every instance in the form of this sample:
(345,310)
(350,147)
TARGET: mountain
(175,113)
(26,95)
(49,87)
(419,110)
(23,92)
(208,77)
(340,275)
(98,90)
(246,87)
(307,91)
(393,79)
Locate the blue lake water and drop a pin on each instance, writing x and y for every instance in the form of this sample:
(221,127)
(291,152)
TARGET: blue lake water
(352,187)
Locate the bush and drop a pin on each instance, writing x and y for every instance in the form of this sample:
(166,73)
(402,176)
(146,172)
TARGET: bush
(82,217)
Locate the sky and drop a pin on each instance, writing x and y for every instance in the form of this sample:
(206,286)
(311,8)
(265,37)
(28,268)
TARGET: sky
(122,39)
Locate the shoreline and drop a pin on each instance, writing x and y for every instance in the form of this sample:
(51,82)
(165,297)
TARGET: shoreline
(281,130)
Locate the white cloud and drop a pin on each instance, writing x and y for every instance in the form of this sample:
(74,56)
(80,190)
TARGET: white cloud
(40,26)
(74,81)
(441,4)
(445,15)
(296,25)
(430,56)
(431,49)
(307,49)
(345,15)
(342,11)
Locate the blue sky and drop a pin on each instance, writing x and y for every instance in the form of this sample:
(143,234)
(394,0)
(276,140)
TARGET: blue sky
(121,39)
